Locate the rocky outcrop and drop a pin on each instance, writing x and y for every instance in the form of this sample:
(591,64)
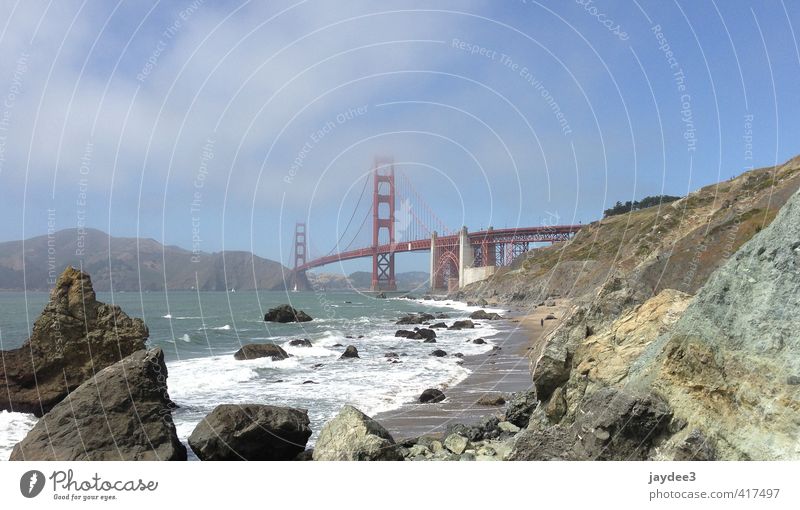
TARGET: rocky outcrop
(301,342)
(415,318)
(725,366)
(465,324)
(428,335)
(349,353)
(431,396)
(484,315)
(123,413)
(75,337)
(352,435)
(285,313)
(251,432)
(438,353)
(255,351)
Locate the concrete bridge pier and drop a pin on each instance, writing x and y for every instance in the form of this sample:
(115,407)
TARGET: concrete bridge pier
(466,256)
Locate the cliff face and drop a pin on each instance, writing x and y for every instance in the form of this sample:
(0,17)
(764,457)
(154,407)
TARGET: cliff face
(714,376)
(132,264)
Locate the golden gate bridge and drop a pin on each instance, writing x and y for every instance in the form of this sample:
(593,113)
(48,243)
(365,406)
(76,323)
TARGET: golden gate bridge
(457,257)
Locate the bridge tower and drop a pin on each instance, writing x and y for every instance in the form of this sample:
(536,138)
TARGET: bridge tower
(383,221)
(299,278)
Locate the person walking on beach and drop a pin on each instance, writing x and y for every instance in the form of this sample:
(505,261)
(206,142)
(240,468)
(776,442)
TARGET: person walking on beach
(541,322)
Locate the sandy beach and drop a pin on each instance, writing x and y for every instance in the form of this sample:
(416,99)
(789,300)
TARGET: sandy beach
(496,373)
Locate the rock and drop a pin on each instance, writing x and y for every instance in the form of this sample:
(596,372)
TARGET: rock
(550,317)
(380,295)
(310,382)
(352,435)
(349,352)
(617,425)
(471,432)
(439,353)
(439,325)
(465,324)
(415,318)
(404,333)
(255,351)
(793,380)
(285,313)
(122,413)
(479,341)
(467,456)
(696,446)
(491,400)
(391,355)
(483,315)
(520,408)
(337,345)
(458,355)
(425,334)
(442,315)
(74,337)
(556,407)
(305,455)
(482,302)
(550,443)
(431,396)
(507,426)
(304,342)
(251,432)
(456,443)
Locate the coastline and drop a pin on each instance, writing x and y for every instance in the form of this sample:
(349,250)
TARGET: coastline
(494,373)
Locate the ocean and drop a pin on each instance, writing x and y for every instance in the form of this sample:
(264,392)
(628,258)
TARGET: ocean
(200,331)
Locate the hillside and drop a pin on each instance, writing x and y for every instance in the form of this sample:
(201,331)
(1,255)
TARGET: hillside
(671,246)
(133,264)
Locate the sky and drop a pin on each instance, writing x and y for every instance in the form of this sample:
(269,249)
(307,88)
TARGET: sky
(218,125)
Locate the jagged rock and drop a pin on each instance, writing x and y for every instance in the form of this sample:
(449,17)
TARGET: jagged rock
(254,351)
(122,413)
(431,396)
(438,325)
(428,335)
(556,407)
(520,408)
(549,443)
(352,435)
(285,313)
(302,342)
(251,432)
(491,400)
(439,353)
(617,425)
(349,353)
(507,426)
(74,337)
(456,443)
(483,315)
(465,324)
(696,446)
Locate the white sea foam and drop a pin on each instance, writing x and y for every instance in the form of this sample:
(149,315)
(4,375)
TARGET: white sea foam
(13,427)
(226,327)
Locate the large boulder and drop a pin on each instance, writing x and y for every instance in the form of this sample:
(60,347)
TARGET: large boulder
(301,342)
(123,413)
(251,432)
(619,425)
(431,396)
(285,313)
(255,351)
(352,435)
(426,334)
(484,315)
(465,324)
(349,353)
(75,337)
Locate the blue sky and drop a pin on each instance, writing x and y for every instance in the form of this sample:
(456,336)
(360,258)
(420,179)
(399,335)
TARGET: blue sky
(181,120)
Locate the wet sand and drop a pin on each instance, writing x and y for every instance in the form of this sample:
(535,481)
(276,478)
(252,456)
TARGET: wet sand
(499,372)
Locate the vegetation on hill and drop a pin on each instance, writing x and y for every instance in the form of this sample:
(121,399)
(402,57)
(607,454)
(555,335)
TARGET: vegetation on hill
(620,208)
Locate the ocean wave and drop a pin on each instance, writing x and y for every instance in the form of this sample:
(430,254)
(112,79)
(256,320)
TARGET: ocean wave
(14,426)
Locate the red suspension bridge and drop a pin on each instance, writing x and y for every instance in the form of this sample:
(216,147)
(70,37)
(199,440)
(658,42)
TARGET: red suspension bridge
(403,222)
